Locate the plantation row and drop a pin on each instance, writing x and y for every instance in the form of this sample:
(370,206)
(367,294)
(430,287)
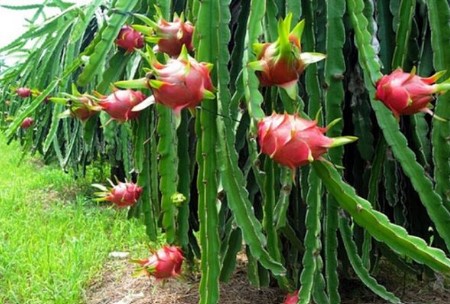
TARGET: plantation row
(246,164)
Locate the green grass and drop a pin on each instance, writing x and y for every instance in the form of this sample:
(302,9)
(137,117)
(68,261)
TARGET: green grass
(53,242)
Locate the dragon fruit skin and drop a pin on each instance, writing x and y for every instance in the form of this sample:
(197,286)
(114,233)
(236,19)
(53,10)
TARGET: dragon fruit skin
(279,72)
(407,94)
(120,103)
(169,37)
(291,298)
(129,39)
(163,264)
(293,141)
(173,35)
(122,195)
(281,62)
(23,92)
(182,82)
(27,122)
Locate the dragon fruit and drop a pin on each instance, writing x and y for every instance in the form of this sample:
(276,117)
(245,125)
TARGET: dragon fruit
(182,82)
(83,108)
(280,63)
(27,122)
(163,264)
(293,141)
(129,39)
(168,36)
(122,195)
(120,103)
(23,92)
(291,298)
(406,93)
(178,84)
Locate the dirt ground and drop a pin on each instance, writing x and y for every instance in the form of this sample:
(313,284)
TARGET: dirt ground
(117,286)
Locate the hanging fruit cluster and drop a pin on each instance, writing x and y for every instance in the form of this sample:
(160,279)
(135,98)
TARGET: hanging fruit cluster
(211,121)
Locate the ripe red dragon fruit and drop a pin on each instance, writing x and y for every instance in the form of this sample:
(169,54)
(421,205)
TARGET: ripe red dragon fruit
(120,103)
(129,39)
(23,92)
(122,195)
(168,36)
(163,264)
(280,63)
(293,141)
(178,84)
(291,298)
(406,93)
(27,122)
(182,82)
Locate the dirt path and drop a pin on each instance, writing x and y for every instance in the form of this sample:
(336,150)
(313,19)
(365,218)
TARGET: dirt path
(117,286)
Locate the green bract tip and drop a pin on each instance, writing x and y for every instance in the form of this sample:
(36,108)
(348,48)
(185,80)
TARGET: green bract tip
(343,140)
(132,84)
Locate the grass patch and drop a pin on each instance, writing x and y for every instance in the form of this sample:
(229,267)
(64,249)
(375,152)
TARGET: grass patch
(53,242)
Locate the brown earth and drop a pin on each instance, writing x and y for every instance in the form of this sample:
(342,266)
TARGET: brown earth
(117,286)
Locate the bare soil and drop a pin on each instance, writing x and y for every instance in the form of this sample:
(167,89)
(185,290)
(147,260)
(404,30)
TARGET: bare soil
(117,286)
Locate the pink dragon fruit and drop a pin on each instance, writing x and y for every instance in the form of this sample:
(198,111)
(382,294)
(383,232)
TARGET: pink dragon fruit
(293,141)
(120,103)
(27,122)
(291,298)
(406,93)
(178,84)
(168,36)
(129,39)
(122,195)
(280,63)
(163,264)
(23,92)
(182,82)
